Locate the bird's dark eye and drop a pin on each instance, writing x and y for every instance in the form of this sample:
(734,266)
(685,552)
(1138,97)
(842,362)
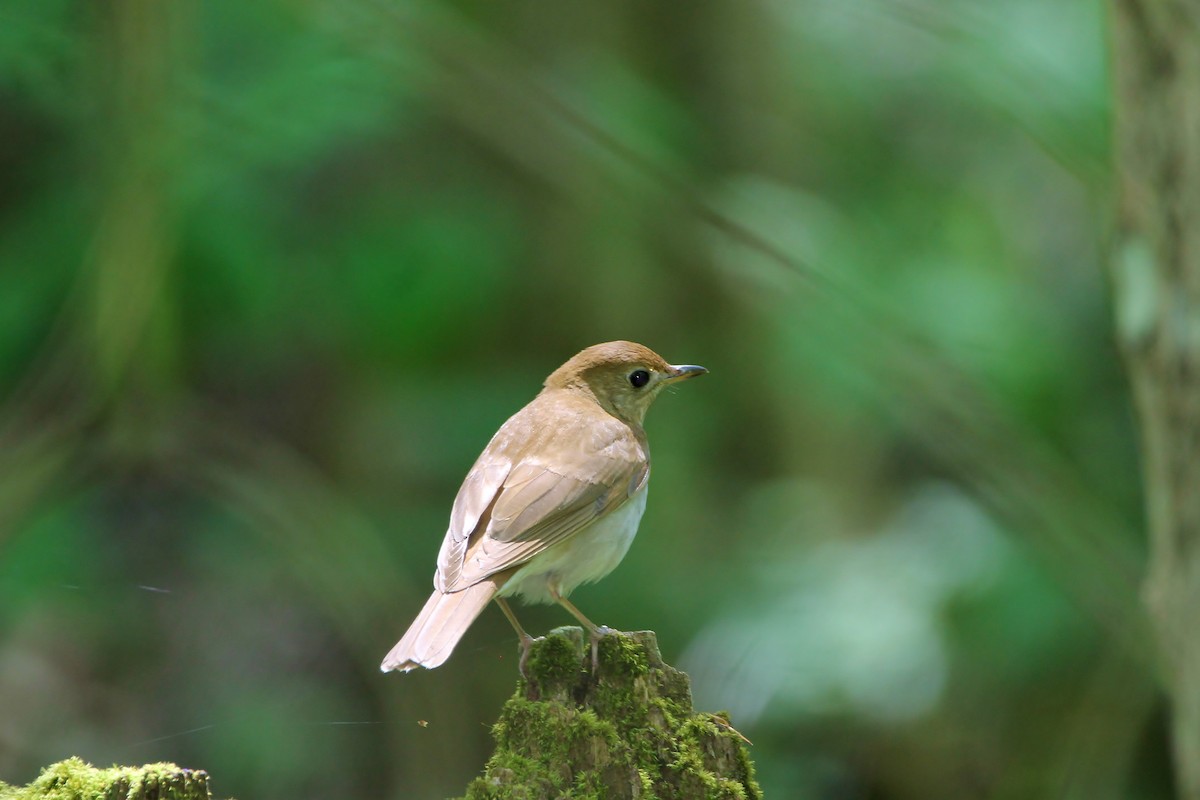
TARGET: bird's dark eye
(639,378)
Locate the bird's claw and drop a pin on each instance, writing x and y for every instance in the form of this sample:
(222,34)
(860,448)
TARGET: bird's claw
(597,634)
(526,643)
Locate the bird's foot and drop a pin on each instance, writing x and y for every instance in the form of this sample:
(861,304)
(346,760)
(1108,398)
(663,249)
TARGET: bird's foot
(526,643)
(597,634)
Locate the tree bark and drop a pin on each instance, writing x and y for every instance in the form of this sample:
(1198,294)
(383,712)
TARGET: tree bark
(1156,283)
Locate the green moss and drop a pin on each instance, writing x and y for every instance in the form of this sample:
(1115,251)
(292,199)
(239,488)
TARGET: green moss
(647,785)
(627,731)
(623,656)
(555,662)
(74,779)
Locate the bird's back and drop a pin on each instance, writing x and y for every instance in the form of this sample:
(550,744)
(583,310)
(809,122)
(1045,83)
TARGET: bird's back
(553,470)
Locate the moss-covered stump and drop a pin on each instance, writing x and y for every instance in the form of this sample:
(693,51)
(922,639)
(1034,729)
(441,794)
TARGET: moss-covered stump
(74,779)
(627,731)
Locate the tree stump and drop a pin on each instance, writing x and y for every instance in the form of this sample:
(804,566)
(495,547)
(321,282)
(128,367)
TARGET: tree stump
(628,730)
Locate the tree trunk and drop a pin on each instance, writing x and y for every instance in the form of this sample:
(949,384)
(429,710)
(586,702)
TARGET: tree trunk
(1156,281)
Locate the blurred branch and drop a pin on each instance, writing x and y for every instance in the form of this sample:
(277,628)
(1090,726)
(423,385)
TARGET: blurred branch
(1156,280)
(133,247)
(331,547)
(110,343)
(962,30)
(1097,756)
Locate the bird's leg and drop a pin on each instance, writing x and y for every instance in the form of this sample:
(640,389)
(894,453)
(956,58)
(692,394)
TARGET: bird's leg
(526,639)
(594,630)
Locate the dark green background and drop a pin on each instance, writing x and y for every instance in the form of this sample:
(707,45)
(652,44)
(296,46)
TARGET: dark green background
(272,273)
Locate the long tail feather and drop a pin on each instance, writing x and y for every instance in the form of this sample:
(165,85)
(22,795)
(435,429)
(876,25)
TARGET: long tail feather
(442,622)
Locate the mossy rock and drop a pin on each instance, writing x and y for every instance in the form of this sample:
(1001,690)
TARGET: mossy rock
(627,730)
(75,779)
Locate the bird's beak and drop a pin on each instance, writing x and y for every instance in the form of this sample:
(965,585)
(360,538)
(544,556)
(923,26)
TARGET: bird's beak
(679,372)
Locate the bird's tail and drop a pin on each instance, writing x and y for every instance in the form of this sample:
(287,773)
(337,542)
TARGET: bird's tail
(442,622)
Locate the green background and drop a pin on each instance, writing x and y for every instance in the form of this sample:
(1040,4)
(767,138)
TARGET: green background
(272,273)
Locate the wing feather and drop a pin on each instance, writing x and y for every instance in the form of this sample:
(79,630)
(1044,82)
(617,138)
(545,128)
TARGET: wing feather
(507,513)
(479,490)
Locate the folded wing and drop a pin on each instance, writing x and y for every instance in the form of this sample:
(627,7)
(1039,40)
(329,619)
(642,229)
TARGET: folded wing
(507,513)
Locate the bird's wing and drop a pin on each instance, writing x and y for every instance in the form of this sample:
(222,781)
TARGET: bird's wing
(475,497)
(517,510)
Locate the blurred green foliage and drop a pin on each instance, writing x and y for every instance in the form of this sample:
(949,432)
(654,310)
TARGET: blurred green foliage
(272,273)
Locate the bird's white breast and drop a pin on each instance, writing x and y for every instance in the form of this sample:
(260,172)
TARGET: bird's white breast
(587,556)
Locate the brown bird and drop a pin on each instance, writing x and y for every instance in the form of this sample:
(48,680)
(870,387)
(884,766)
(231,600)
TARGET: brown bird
(553,502)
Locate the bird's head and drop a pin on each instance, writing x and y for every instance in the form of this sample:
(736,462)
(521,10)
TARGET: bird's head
(623,377)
